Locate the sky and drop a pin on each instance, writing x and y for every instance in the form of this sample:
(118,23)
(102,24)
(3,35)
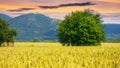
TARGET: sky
(109,9)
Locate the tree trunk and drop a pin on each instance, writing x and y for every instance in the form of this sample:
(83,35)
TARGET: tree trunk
(13,44)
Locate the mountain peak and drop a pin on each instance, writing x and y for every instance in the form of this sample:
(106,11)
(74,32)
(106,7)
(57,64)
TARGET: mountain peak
(34,25)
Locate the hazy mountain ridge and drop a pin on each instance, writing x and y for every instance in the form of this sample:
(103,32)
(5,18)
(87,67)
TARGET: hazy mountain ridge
(6,17)
(112,32)
(31,26)
(112,28)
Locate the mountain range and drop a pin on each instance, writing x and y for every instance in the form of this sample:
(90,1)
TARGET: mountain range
(34,25)
(31,26)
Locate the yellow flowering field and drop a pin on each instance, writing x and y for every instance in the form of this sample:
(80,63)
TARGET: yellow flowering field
(54,55)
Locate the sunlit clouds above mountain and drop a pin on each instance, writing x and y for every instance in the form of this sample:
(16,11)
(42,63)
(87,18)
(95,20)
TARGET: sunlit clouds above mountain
(59,8)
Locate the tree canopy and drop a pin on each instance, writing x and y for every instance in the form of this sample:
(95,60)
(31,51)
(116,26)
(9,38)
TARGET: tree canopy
(81,28)
(6,34)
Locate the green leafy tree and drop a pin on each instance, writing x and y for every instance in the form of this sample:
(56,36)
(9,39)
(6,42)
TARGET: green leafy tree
(36,40)
(3,30)
(11,34)
(6,35)
(81,28)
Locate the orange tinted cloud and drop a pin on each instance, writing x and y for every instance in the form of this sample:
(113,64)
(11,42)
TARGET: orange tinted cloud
(101,6)
(113,1)
(104,5)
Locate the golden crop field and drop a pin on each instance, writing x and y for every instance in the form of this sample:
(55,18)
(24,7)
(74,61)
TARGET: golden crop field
(54,55)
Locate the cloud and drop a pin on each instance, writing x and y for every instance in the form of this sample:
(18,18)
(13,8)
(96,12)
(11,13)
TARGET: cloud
(27,8)
(15,10)
(21,9)
(111,18)
(66,5)
(109,15)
